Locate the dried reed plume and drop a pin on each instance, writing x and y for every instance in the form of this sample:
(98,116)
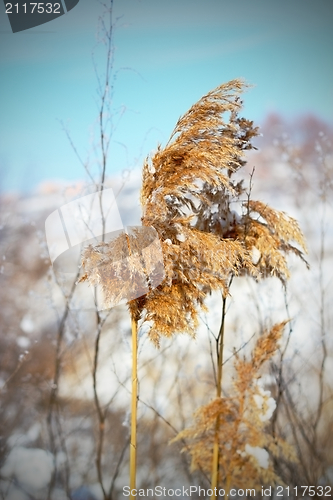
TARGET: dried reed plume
(246,450)
(188,191)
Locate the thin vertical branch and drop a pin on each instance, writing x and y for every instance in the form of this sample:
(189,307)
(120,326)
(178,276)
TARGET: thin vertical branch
(116,472)
(278,369)
(55,388)
(322,323)
(134,405)
(105,142)
(105,93)
(219,358)
(101,415)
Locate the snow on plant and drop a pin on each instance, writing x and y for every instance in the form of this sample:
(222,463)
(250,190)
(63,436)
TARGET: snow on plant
(265,403)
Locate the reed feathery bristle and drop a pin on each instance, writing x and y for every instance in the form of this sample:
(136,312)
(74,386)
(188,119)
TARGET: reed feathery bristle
(188,195)
(246,450)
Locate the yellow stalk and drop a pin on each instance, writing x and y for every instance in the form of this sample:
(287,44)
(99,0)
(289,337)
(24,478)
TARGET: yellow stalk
(215,465)
(220,345)
(134,404)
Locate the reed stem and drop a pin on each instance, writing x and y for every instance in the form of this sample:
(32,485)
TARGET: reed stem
(219,355)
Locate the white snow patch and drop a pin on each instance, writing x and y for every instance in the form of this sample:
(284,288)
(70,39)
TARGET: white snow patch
(23,342)
(27,325)
(259,454)
(32,467)
(151,168)
(255,255)
(265,398)
(181,237)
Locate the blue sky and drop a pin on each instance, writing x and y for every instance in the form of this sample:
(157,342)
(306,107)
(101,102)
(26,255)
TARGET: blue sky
(167,55)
